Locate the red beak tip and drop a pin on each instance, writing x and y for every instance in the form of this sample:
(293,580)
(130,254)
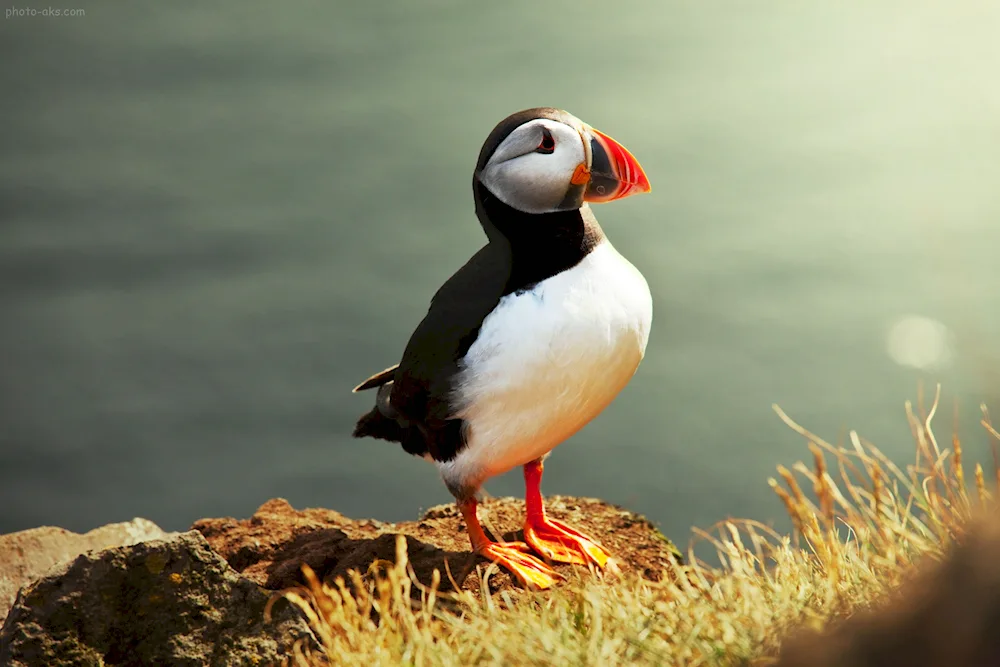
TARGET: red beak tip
(644,185)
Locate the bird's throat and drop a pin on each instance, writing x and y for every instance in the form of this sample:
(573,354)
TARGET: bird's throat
(540,245)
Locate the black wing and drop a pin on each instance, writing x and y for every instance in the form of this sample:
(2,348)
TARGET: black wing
(417,401)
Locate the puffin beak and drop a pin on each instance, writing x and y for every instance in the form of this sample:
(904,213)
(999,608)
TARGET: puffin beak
(614,172)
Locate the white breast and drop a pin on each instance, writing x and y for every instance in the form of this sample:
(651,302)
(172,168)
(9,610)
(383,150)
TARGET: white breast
(547,361)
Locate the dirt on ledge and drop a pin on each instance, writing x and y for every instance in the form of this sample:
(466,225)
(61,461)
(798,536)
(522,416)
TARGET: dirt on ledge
(270,547)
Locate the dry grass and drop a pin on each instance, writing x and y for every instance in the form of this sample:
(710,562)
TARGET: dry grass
(860,520)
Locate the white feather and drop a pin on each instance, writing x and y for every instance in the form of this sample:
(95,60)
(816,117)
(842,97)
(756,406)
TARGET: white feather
(547,361)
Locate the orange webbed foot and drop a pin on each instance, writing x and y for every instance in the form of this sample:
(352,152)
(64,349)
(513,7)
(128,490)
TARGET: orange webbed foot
(560,543)
(516,557)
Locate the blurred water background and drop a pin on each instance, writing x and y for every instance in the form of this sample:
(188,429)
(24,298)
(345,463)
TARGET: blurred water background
(216,218)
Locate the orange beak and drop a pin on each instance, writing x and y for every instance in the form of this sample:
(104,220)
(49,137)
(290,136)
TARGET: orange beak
(614,172)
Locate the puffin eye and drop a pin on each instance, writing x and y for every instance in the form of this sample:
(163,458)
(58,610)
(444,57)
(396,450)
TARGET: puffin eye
(547,145)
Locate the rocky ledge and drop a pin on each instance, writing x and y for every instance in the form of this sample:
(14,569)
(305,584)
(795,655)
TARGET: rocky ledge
(132,594)
(270,547)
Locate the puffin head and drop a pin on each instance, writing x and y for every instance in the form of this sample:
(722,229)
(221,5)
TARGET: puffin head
(546,160)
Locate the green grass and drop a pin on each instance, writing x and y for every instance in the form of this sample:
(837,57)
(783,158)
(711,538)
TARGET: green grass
(861,523)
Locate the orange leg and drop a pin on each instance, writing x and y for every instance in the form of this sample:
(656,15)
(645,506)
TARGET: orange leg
(554,539)
(515,556)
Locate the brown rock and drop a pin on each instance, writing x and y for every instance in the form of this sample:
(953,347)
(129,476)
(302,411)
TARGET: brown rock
(270,547)
(29,554)
(161,602)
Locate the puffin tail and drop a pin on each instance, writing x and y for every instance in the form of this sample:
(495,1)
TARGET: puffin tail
(381,421)
(384,422)
(374,424)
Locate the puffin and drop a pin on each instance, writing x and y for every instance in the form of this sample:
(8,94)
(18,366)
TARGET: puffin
(528,341)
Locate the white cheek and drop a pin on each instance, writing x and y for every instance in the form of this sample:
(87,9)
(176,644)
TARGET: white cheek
(536,182)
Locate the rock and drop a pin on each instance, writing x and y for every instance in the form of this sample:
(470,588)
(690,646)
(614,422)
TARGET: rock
(163,602)
(28,554)
(270,547)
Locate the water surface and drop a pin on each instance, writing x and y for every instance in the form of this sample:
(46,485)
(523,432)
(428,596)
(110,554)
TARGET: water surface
(216,219)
